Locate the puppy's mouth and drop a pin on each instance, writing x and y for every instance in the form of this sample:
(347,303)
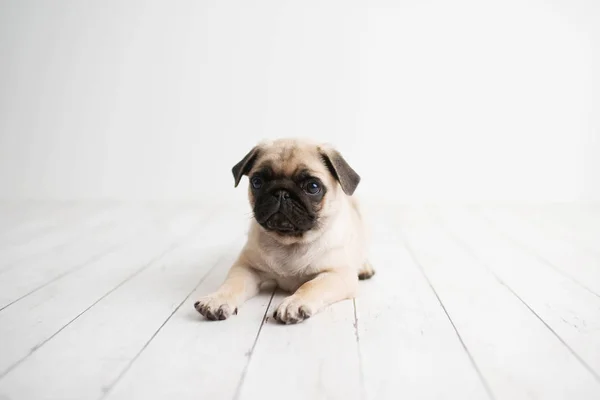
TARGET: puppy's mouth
(283,212)
(278,222)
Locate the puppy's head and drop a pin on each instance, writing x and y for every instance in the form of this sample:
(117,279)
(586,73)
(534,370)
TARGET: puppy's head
(295,186)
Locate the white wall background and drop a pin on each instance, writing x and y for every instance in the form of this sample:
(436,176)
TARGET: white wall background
(429,100)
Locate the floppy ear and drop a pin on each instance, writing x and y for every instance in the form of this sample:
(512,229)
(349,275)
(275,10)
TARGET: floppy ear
(341,171)
(245,165)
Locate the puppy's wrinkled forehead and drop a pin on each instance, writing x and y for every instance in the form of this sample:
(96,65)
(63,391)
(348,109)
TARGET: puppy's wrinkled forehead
(290,160)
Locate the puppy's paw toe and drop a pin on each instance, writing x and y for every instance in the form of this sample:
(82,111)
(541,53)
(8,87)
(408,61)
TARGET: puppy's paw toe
(214,308)
(364,275)
(292,311)
(366,272)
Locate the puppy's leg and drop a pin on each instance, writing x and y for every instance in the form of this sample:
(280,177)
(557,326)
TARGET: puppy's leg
(241,284)
(366,271)
(312,297)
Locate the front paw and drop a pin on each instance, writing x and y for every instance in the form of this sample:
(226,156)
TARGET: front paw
(215,307)
(292,311)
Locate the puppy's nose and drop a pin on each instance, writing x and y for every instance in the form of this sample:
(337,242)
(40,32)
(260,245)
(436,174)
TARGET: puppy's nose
(282,194)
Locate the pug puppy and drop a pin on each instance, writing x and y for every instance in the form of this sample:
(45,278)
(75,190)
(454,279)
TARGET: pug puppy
(307,234)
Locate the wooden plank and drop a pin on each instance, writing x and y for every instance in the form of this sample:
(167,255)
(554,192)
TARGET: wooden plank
(517,354)
(47,229)
(193,358)
(585,217)
(14,215)
(570,311)
(27,325)
(316,359)
(584,233)
(406,339)
(582,267)
(20,282)
(21,221)
(66,233)
(86,358)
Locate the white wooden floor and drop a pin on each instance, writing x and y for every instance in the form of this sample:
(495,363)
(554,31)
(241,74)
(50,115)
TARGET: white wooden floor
(96,302)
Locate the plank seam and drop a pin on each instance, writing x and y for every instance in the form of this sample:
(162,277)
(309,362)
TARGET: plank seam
(110,387)
(460,339)
(105,295)
(361,373)
(80,266)
(72,242)
(174,245)
(559,232)
(531,251)
(238,389)
(470,251)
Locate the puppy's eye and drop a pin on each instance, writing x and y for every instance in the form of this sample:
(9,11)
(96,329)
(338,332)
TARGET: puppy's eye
(312,187)
(256,182)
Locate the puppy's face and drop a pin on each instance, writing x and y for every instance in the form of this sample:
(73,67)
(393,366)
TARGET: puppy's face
(294,186)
